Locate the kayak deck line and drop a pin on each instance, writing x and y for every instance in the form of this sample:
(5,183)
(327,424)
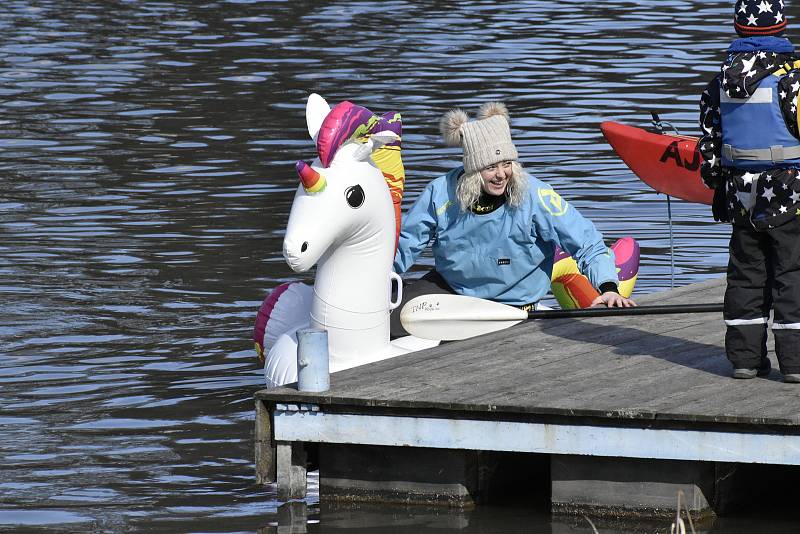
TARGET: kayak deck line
(603,414)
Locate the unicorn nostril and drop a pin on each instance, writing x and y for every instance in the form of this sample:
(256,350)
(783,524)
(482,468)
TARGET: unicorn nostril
(304,247)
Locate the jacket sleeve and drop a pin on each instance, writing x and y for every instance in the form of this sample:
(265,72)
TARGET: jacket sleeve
(710,146)
(419,225)
(559,222)
(788,89)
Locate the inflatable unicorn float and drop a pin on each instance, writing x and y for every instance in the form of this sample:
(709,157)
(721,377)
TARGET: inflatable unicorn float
(345,219)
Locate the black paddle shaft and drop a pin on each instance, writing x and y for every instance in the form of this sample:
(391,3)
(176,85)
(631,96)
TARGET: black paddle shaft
(638,310)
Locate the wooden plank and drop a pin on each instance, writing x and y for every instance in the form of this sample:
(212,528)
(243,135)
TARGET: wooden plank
(547,438)
(520,366)
(264,446)
(549,348)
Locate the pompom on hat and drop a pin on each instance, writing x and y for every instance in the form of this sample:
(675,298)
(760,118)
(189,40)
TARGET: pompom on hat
(759,17)
(485,141)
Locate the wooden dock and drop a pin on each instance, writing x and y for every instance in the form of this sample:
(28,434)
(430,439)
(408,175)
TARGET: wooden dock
(613,414)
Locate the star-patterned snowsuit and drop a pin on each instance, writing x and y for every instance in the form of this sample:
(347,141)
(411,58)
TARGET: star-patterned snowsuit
(762,200)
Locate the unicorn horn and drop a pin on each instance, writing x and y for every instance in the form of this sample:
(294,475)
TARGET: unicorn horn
(313,182)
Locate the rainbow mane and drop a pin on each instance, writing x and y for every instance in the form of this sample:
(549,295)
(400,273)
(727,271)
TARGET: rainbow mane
(348,121)
(388,160)
(340,125)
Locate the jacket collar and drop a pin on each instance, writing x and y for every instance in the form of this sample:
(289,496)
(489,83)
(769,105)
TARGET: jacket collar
(753,44)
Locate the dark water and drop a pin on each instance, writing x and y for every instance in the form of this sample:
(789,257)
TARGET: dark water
(146,162)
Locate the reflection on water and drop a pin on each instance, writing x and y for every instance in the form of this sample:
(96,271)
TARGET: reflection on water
(299,518)
(146,155)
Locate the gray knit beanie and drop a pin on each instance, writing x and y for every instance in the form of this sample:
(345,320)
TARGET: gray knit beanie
(485,141)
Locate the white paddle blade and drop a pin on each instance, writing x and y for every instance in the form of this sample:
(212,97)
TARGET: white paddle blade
(452,317)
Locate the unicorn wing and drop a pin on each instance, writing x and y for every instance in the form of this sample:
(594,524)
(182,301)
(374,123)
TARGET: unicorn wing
(375,141)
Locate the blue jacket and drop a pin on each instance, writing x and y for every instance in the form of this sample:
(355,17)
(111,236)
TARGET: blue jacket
(505,255)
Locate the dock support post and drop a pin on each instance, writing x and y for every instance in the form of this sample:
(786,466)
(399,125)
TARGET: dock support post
(264,445)
(372,473)
(592,484)
(292,480)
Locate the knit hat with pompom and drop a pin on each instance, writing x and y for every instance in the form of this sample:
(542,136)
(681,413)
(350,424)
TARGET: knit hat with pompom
(485,141)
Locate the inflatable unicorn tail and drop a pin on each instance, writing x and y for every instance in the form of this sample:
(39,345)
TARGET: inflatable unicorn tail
(626,254)
(572,290)
(285,308)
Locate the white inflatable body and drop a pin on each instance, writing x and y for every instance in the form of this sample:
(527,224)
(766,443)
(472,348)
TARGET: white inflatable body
(347,228)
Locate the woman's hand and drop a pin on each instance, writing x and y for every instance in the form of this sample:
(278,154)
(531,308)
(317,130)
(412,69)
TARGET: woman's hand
(613,300)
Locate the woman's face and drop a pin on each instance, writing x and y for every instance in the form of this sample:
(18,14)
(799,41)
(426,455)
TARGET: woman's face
(495,178)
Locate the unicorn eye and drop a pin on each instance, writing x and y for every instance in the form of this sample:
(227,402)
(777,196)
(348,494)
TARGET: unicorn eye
(354,196)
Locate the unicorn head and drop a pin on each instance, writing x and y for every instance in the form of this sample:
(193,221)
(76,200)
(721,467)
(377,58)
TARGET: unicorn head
(343,196)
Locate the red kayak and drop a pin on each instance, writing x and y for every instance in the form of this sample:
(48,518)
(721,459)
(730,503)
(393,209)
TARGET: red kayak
(670,164)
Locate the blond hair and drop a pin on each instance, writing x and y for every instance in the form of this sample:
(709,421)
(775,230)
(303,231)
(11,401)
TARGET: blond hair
(470,186)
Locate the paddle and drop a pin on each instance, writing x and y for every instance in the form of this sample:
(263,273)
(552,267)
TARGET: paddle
(451,317)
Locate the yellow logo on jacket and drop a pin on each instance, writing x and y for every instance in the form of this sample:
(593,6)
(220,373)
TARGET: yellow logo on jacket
(552,202)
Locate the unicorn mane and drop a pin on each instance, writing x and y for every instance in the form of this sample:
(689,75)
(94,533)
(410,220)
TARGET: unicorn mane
(389,161)
(349,122)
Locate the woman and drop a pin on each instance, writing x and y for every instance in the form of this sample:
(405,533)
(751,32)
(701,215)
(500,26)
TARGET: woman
(494,228)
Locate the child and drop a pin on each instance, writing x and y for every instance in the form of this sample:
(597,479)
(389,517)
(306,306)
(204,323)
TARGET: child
(751,153)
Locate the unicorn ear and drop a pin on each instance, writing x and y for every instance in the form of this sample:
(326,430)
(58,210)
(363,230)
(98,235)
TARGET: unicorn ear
(375,141)
(316,111)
